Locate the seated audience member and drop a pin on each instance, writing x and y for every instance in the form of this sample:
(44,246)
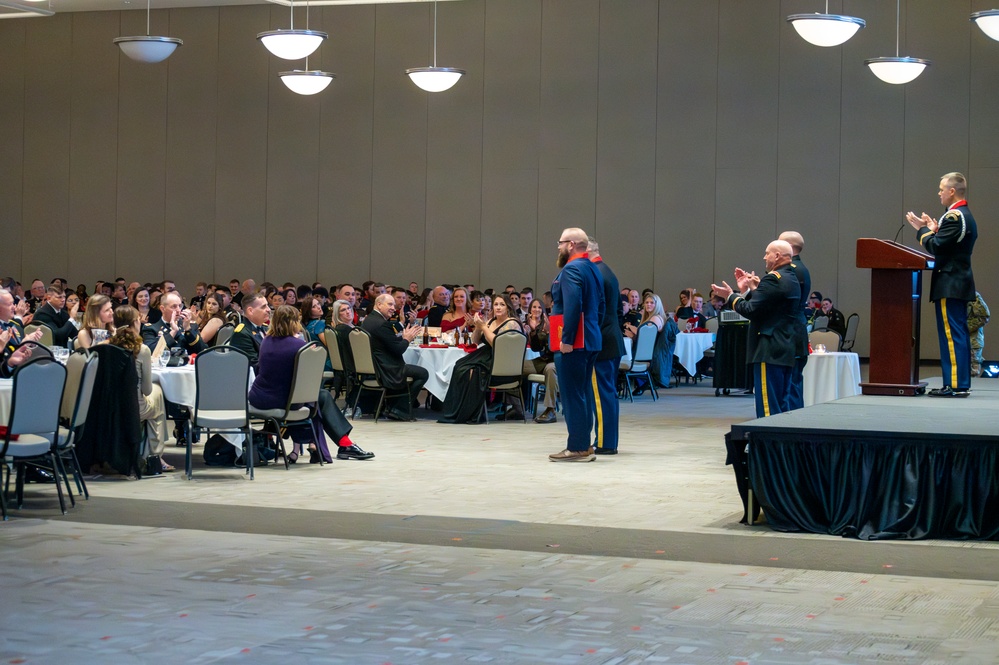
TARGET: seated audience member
(12,334)
(526,298)
(73,300)
(248,287)
(248,335)
(547,298)
(129,290)
(516,313)
(118,296)
(53,314)
(270,390)
(697,316)
(200,293)
(367,295)
(837,322)
(36,295)
(468,390)
(442,299)
(211,318)
(424,303)
(414,290)
(233,288)
(274,297)
(684,309)
(537,328)
(99,316)
(814,307)
(232,312)
(662,355)
(457,316)
(313,322)
(404,314)
(152,409)
(477,302)
(387,349)
(290,297)
(635,301)
(631,318)
(174,326)
(341,324)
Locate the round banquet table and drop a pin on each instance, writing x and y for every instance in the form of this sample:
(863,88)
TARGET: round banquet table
(180,386)
(6,391)
(690,348)
(439,362)
(830,376)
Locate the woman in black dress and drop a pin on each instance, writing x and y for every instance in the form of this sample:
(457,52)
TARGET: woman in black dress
(470,379)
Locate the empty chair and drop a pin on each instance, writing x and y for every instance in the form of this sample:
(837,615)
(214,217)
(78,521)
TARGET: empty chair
(829,338)
(852,323)
(641,359)
(81,374)
(223,336)
(820,323)
(221,406)
(34,421)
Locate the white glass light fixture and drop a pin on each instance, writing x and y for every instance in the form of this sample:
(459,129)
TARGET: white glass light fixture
(306,81)
(434,78)
(897,70)
(292,44)
(826,29)
(146,48)
(988,21)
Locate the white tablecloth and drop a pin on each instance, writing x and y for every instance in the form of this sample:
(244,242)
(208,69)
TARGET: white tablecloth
(6,391)
(439,363)
(830,376)
(690,348)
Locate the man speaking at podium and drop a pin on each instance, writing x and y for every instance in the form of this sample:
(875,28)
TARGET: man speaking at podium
(951,241)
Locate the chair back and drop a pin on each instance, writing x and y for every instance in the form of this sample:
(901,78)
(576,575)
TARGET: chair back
(36,398)
(81,367)
(509,348)
(46,333)
(711,325)
(645,343)
(307,379)
(38,350)
(820,323)
(682,323)
(222,374)
(223,336)
(333,350)
(360,348)
(850,337)
(830,338)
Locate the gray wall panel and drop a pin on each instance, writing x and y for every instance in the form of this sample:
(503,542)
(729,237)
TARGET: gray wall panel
(745,210)
(398,224)
(626,205)
(452,244)
(684,245)
(12,54)
(192,118)
(241,144)
(47,92)
(93,148)
(510,248)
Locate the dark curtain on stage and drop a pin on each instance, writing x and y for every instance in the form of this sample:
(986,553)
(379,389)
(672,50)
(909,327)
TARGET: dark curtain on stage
(876,490)
(730,369)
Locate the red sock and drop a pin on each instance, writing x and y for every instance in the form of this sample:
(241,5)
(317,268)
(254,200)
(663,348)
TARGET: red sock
(345,442)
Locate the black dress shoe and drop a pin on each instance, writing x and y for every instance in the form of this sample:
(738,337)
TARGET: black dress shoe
(353,452)
(947,391)
(392,414)
(32,474)
(605,451)
(548,416)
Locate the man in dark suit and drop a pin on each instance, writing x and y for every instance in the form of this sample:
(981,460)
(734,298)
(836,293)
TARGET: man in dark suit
(793,238)
(175,327)
(578,296)
(772,305)
(387,349)
(248,335)
(951,241)
(54,315)
(442,298)
(606,409)
(12,334)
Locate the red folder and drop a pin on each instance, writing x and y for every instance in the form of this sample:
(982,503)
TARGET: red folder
(555,322)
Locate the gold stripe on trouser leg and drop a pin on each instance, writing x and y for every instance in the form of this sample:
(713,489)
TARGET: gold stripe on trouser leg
(765,396)
(600,411)
(950,343)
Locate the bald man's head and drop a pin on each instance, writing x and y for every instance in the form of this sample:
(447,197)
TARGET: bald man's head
(571,241)
(778,254)
(794,239)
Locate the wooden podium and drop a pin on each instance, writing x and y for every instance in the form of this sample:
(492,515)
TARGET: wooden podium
(896,289)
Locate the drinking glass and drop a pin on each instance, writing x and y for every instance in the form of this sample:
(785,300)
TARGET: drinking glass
(164,357)
(61,354)
(100,335)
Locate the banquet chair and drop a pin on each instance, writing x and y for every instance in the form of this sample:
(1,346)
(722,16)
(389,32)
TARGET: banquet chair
(641,360)
(306,382)
(336,362)
(81,373)
(830,338)
(820,323)
(852,323)
(34,420)
(537,392)
(38,350)
(367,372)
(46,333)
(219,406)
(507,374)
(223,336)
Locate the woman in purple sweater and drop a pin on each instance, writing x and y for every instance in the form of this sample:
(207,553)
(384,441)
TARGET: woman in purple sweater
(270,390)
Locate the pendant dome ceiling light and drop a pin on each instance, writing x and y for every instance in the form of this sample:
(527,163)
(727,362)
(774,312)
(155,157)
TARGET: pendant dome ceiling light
(306,81)
(988,21)
(826,29)
(434,79)
(292,44)
(897,70)
(146,48)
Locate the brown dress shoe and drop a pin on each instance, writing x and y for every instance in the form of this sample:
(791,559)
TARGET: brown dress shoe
(548,416)
(573,456)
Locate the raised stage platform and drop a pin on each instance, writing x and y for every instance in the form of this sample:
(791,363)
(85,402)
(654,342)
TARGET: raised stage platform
(874,467)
